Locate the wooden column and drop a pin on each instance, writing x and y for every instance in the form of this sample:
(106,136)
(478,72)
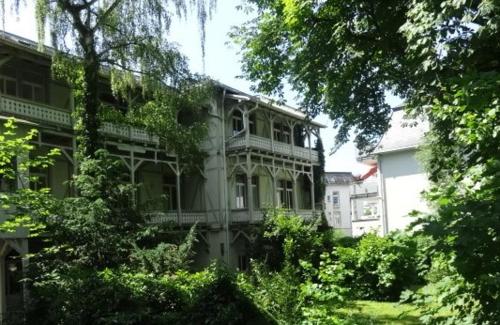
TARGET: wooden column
(132,176)
(249,187)
(178,191)
(291,126)
(275,203)
(295,198)
(313,205)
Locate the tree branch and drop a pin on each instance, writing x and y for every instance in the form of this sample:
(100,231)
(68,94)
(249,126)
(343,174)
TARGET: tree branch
(106,13)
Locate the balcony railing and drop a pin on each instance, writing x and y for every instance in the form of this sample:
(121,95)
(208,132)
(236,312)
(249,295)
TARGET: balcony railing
(51,115)
(186,217)
(242,215)
(273,146)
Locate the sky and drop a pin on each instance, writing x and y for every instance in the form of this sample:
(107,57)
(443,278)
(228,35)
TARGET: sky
(222,63)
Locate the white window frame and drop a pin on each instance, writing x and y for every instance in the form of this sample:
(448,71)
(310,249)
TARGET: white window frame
(336,199)
(240,192)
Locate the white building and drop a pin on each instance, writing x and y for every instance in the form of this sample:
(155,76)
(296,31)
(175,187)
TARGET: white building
(401,176)
(337,200)
(366,204)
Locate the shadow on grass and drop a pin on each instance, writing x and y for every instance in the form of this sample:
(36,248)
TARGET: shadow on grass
(372,312)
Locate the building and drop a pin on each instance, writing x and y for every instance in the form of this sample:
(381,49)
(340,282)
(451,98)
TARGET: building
(259,154)
(366,204)
(337,205)
(401,176)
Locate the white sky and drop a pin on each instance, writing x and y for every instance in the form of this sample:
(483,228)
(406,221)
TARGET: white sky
(221,63)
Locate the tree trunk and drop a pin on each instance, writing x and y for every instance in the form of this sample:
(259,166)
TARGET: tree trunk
(89,134)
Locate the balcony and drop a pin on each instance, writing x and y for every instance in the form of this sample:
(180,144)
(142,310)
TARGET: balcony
(186,217)
(242,215)
(50,115)
(260,143)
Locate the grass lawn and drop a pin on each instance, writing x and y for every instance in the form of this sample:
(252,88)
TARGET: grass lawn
(373,312)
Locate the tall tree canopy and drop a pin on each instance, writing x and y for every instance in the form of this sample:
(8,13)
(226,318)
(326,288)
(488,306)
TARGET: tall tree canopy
(128,41)
(343,56)
(442,57)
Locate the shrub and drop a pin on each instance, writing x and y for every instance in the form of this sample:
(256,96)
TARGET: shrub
(380,267)
(283,240)
(121,296)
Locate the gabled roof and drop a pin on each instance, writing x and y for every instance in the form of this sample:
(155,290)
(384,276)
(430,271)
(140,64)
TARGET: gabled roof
(403,134)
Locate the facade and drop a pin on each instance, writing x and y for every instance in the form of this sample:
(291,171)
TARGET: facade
(401,176)
(259,155)
(337,205)
(366,204)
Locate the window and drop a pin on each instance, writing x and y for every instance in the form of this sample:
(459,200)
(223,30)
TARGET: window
(255,192)
(336,199)
(237,122)
(281,133)
(285,194)
(328,199)
(39,178)
(32,87)
(170,192)
(337,219)
(8,80)
(241,192)
(8,85)
(370,209)
(252,124)
(243,262)
(32,91)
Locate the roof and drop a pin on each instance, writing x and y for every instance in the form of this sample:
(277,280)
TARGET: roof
(32,47)
(403,134)
(271,104)
(338,178)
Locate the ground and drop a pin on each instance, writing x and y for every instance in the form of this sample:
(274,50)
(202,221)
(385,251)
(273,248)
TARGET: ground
(373,312)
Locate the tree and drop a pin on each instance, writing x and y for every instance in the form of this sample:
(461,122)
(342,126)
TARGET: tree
(319,173)
(442,58)
(127,40)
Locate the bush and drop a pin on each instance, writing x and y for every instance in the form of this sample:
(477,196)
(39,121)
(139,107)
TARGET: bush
(380,268)
(284,240)
(114,296)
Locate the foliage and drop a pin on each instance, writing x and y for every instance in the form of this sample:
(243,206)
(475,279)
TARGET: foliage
(445,296)
(319,173)
(380,268)
(22,205)
(283,240)
(442,58)
(292,278)
(123,296)
(165,258)
(363,312)
(127,40)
